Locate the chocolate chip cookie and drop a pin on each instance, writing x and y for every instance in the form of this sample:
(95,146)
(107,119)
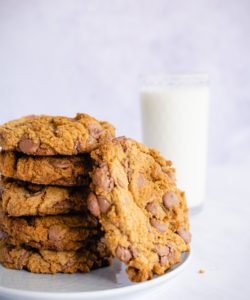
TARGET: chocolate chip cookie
(142,212)
(48,261)
(51,135)
(64,232)
(26,199)
(52,170)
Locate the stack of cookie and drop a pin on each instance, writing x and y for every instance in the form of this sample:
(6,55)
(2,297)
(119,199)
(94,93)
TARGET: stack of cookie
(73,195)
(45,165)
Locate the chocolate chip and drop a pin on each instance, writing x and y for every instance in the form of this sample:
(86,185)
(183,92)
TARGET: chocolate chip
(104,204)
(60,164)
(135,252)
(78,147)
(169,200)
(101,178)
(3,235)
(22,259)
(123,254)
(65,204)
(140,181)
(161,227)
(95,130)
(28,146)
(166,254)
(152,208)
(172,255)
(6,255)
(162,250)
(93,205)
(163,260)
(55,233)
(184,234)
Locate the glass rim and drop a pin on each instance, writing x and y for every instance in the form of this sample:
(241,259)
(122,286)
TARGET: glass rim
(175,79)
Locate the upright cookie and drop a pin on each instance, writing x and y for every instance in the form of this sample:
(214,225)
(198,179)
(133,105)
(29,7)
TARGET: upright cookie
(52,232)
(48,135)
(48,261)
(53,170)
(25,199)
(142,212)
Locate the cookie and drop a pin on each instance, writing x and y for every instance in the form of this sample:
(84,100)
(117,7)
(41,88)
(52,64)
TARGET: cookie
(142,212)
(51,135)
(64,232)
(53,170)
(26,199)
(48,261)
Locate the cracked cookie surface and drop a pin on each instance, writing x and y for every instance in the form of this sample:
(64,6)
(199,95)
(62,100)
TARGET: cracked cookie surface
(47,261)
(25,199)
(62,232)
(51,135)
(142,212)
(52,170)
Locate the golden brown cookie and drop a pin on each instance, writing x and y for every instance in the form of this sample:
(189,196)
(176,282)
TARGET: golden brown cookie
(52,170)
(48,261)
(142,212)
(51,135)
(63,232)
(26,199)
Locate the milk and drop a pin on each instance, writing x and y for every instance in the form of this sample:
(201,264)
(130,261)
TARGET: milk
(175,121)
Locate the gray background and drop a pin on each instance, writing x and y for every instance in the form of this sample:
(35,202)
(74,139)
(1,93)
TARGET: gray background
(61,57)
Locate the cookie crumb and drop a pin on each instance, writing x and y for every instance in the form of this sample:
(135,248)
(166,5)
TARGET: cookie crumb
(201,271)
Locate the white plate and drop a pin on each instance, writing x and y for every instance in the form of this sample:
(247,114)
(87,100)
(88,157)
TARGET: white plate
(107,283)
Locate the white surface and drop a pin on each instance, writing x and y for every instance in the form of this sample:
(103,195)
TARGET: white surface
(220,245)
(106,283)
(64,56)
(175,122)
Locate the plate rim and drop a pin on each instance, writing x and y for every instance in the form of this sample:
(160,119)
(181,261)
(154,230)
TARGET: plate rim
(6,291)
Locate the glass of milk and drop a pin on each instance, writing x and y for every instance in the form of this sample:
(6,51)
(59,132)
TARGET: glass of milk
(175,122)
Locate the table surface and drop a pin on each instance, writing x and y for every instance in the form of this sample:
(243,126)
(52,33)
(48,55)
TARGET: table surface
(220,244)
